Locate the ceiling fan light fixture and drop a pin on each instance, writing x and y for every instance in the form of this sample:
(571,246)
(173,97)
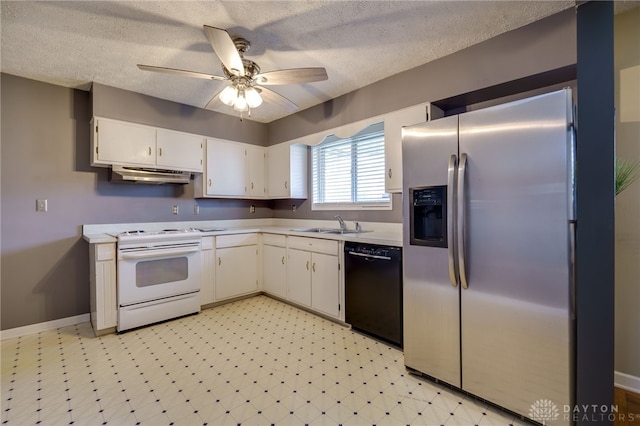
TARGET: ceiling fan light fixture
(253,98)
(229,95)
(241,102)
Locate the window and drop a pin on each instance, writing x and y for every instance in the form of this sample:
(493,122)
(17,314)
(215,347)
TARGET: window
(348,173)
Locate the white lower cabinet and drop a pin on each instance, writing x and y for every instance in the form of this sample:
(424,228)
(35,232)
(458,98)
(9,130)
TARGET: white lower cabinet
(302,270)
(313,274)
(207,291)
(299,277)
(104,310)
(236,265)
(274,265)
(325,284)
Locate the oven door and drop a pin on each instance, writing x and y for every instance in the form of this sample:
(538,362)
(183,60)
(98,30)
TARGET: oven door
(146,274)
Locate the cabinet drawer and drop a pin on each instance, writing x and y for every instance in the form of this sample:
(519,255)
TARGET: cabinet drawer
(316,245)
(105,252)
(236,240)
(274,240)
(208,243)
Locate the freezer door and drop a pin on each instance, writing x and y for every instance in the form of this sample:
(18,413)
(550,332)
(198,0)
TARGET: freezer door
(431,302)
(516,325)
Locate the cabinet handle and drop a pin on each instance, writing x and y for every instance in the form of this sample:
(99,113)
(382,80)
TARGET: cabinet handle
(219,261)
(149,150)
(286,184)
(251,185)
(313,267)
(390,174)
(160,152)
(307,265)
(209,182)
(283,260)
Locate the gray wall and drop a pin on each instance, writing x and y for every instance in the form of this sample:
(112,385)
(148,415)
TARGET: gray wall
(45,154)
(627,286)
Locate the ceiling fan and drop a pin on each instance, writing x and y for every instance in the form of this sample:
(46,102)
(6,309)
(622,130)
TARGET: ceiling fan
(245,91)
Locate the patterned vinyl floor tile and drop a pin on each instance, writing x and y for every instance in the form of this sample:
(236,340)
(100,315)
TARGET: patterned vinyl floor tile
(256,361)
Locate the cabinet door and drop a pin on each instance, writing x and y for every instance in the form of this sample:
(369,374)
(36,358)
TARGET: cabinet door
(177,150)
(123,143)
(226,168)
(274,269)
(207,291)
(256,169)
(299,276)
(236,271)
(278,171)
(102,291)
(325,284)
(287,171)
(393,124)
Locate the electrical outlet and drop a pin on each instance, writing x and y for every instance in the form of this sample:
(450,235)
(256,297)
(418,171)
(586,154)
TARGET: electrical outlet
(293,207)
(175,210)
(41,205)
(196,209)
(252,208)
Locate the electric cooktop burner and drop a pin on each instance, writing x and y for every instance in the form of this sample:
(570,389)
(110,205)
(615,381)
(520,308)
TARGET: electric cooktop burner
(166,235)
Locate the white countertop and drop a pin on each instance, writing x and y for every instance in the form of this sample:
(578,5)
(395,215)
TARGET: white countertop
(389,234)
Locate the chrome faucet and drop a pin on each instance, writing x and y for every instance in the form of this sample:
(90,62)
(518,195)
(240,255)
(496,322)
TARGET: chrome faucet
(343,226)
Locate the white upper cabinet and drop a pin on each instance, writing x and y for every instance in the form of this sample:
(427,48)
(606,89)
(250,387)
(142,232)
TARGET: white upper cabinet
(232,170)
(225,172)
(179,150)
(117,142)
(393,123)
(128,144)
(256,187)
(287,171)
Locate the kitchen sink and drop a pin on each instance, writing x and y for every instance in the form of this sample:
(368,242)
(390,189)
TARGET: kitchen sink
(328,230)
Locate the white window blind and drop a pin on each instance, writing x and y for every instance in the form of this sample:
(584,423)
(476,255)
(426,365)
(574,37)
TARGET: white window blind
(348,173)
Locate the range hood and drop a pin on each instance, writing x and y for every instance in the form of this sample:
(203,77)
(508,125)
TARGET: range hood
(152,176)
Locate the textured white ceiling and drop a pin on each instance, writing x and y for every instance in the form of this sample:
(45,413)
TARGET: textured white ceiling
(359,42)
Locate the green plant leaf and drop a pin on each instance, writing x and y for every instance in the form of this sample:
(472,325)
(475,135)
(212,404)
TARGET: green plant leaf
(627,171)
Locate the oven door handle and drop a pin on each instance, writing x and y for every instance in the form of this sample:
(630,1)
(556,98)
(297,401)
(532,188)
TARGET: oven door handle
(159,253)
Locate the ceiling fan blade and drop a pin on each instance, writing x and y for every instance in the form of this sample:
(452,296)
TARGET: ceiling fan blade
(181,72)
(225,49)
(274,98)
(291,76)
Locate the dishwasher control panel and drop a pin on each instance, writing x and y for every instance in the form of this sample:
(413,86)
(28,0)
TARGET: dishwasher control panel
(371,249)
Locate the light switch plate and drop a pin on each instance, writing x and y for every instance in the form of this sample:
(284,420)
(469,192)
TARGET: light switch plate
(41,205)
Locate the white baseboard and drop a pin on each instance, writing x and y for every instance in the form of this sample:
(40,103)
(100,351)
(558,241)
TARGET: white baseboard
(43,326)
(626,382)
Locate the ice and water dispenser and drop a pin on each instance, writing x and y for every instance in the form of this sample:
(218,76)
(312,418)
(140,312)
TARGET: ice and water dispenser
(428,216)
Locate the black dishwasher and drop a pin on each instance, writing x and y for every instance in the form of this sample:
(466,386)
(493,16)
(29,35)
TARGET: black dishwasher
(373,290)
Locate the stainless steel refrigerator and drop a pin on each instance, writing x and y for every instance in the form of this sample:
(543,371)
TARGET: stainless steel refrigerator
(488,252)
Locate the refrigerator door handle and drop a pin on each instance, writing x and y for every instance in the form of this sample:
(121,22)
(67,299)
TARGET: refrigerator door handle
(461,222)
(451,240)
